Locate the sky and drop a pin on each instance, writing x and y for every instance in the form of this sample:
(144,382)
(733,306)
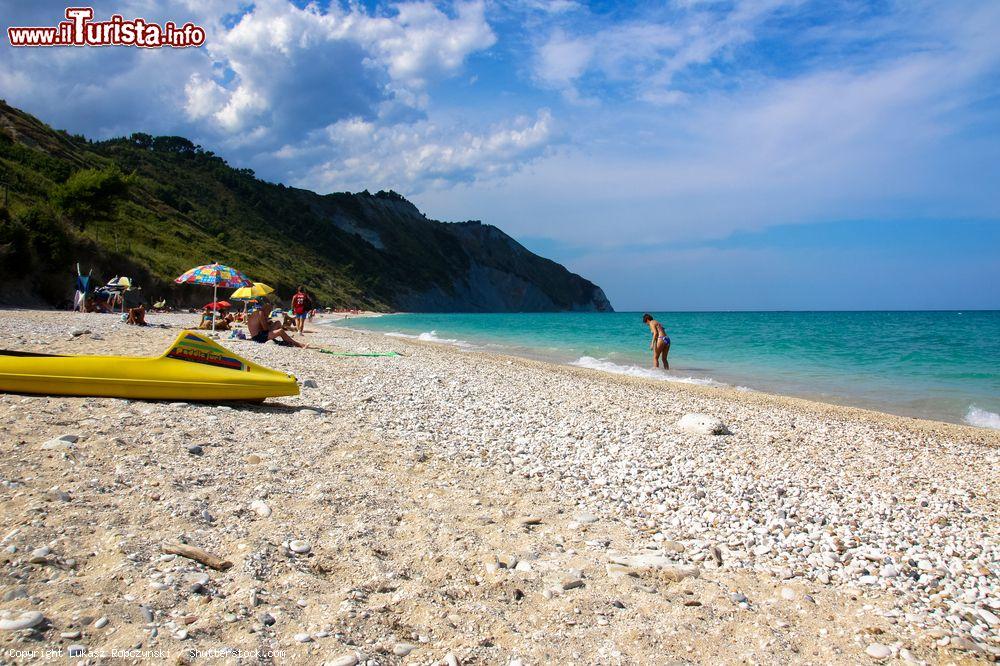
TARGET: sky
(683,155)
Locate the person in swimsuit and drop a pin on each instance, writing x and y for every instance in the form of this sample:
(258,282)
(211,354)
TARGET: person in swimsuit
(262,329)
(660,343)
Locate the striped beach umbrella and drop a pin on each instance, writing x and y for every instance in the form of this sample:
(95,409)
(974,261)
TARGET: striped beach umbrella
(217,275)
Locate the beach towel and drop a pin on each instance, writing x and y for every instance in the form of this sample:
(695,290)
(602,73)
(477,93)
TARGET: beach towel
(82,291)
(334,353)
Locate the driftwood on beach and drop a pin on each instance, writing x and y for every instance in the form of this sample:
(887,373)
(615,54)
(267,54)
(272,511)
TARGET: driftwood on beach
(197,554)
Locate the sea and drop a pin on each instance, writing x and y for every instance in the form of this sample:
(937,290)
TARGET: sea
(935,365)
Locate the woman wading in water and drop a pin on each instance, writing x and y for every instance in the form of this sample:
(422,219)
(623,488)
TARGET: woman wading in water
(661,342)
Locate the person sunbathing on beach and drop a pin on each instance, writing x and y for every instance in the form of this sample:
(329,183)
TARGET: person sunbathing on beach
(137,316)
(263,329)
(97,303)
(660,343)
(207,315)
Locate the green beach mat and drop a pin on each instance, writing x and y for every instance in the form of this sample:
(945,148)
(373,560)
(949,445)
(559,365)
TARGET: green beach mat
(333,353)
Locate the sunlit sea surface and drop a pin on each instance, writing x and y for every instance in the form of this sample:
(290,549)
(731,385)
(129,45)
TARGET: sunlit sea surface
(936,365)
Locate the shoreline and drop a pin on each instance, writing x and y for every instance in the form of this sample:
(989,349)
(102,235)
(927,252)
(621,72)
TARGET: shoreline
(493,508)
(709,384)
(818,408)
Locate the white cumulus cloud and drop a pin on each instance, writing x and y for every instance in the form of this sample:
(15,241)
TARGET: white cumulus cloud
(417,156)
(422,41)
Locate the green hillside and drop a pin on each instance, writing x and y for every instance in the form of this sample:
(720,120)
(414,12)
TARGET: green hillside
(153,207)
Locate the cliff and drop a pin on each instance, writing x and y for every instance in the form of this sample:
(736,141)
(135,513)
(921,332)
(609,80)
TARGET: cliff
(152,207)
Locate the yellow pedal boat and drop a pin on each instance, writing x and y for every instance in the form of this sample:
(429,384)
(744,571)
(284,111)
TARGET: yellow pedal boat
(193,368)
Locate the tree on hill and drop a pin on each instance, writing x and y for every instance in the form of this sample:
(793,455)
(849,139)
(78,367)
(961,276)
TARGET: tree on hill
(91,194)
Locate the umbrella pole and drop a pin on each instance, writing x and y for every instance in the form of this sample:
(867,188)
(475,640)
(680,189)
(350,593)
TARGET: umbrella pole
(215,310)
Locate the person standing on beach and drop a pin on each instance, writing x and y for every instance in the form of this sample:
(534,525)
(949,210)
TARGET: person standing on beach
(661,341)
(301,304)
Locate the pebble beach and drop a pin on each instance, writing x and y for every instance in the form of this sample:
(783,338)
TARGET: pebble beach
(456,507)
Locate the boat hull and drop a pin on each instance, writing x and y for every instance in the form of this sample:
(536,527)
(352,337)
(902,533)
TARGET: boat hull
(194,368)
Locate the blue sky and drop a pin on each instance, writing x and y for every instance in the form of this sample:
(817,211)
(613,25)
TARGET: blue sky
(684,155)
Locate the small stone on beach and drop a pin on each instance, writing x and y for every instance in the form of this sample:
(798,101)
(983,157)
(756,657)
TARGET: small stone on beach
(403,649)
(702,424)
(300,547)
(878,651)
(61,442)
(260,508)
(345,660)
(26,620)
(39,555)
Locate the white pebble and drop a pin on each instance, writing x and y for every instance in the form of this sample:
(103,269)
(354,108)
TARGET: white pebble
(345,660)
(403,649)
(260,508)
(26,620)
(878,651)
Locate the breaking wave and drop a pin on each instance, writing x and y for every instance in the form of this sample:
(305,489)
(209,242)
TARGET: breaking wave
(635,371)
(982,418)
(430,336)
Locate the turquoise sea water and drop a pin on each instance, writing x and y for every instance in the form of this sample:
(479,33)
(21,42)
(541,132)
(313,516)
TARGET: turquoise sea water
(937,365)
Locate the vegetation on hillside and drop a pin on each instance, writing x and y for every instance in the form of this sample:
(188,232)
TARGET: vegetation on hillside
(152,207)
